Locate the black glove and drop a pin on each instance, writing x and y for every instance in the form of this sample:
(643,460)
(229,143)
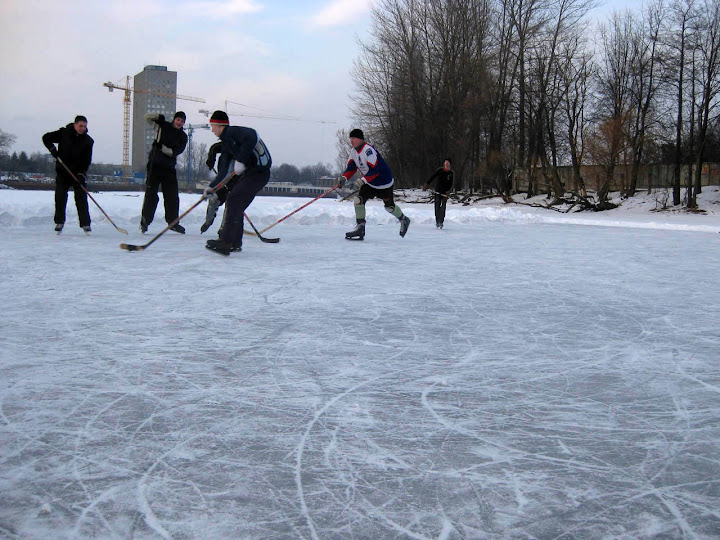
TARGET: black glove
(215,149)
(81,177)
(54,152)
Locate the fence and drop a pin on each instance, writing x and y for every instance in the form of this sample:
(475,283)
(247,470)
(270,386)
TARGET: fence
(650,176)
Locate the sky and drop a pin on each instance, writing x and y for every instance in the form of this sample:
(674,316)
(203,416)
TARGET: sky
(270,58)
(521,373)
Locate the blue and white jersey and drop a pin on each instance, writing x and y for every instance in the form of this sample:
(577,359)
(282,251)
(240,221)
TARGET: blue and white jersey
(372,166)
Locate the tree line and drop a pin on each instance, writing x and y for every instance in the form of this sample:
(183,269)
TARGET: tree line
(197,171)
(535,85)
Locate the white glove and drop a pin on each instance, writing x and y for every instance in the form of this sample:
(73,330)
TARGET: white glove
(341,181)
(209,194)
(357,183)
(152,118)
(167,150)
(239,168)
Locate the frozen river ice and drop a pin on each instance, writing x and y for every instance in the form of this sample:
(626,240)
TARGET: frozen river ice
(501,378)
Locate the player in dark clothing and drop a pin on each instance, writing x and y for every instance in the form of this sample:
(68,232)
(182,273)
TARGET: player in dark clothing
(75,148)
(444,176)
(169,143)
(244,152)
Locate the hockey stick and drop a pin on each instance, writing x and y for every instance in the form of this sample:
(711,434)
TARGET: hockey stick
(259,235)
(438,193)
(132,247)
(61,162)
(245,231)
(346,197)
(297,210)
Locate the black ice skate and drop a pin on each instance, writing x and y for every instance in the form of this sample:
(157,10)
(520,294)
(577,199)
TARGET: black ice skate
(59,227)
(404,224)
(358,233)
(178,228)
(219,246)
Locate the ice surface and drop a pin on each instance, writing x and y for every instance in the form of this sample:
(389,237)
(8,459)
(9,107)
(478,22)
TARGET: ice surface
(518,374)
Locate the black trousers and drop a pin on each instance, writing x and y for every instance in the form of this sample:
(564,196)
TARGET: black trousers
(368,192)
(63,183)
(238,199)
(165,179)
(440,205)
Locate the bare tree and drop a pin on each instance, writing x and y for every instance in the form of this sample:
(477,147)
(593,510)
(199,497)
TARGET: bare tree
(418,79)
(6,141)
(680,22)
(342,145)
(575,73)
(556,45)
(613,103)
(644,84)
(708,48)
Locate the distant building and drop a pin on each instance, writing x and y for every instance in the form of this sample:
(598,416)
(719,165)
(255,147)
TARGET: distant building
(154,92)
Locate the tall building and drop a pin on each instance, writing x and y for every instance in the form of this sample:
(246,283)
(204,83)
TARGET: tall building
(154,92)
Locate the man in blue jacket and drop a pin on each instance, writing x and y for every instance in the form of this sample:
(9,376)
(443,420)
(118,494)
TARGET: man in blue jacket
(244,152)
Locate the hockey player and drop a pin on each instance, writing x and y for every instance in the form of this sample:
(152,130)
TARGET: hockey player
(169,143)
(444,176)
(244,152)
(75,148)
(377,181)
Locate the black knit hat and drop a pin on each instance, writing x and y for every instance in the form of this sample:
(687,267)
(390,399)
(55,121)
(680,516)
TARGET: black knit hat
(180,114)
(219,118)
(357,133)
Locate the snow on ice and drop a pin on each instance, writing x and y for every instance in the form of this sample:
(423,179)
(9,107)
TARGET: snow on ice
(521,373)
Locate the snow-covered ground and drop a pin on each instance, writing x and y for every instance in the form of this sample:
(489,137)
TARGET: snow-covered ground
(522,373)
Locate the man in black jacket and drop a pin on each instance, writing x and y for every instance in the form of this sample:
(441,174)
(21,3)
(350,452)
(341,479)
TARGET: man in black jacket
(75,149)
(445,177)
(170,142)
(244,152)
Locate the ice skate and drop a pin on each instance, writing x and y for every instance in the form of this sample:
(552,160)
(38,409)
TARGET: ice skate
(404,224)
(358,233)
(219,246)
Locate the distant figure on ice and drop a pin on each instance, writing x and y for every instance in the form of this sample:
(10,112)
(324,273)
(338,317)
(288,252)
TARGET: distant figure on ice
(444,176)
(244,152)
(75,148)
(376,182)
(170,142)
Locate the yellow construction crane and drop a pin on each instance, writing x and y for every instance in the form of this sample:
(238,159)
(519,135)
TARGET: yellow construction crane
(126,114)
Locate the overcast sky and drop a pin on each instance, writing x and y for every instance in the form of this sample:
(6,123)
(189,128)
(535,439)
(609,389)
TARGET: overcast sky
(275,57)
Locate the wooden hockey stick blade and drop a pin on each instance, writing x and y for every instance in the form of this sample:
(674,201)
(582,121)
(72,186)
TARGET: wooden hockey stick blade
(131,247)
(259,234)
